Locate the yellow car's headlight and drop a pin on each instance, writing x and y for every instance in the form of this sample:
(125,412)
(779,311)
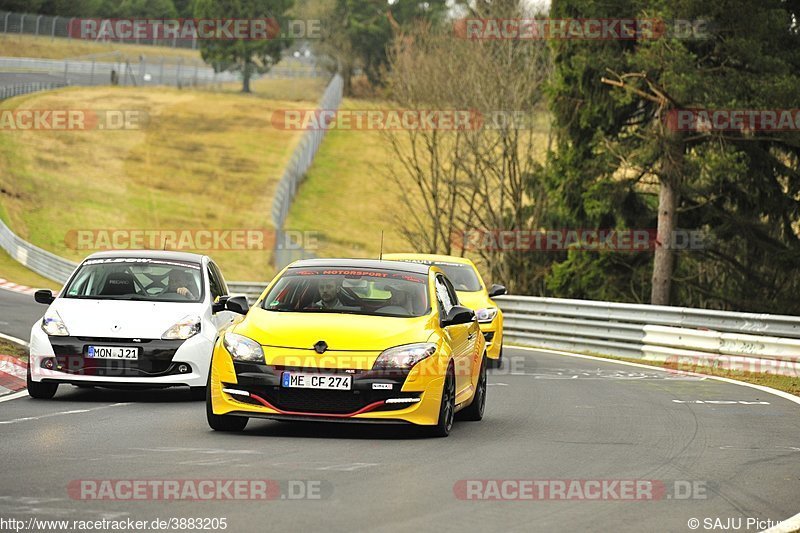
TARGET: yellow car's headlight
(243,348)
(404,357)
(486,315)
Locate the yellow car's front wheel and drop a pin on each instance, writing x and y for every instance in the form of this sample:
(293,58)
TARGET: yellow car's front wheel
(447,408)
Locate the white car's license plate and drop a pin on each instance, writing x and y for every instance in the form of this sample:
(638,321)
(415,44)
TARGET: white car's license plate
(112,352)
(299,380)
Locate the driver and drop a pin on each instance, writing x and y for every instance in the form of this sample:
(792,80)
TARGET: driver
(180,282)
(329,289)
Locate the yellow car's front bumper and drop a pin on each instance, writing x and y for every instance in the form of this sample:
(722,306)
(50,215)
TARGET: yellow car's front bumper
(259,394)
(493,334)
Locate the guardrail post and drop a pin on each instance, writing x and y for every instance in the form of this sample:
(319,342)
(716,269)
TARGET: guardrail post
(161,73)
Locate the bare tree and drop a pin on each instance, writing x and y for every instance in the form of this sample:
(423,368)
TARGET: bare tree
(481,179)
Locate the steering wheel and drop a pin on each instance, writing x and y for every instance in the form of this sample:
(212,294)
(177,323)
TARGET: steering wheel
(350,293)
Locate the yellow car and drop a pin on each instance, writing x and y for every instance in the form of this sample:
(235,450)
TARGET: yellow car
(472,293)
(351,340)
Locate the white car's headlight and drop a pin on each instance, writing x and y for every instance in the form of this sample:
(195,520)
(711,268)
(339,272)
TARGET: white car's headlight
(404,357)
(486,315)
(53,325)
(243,348)
(184,328)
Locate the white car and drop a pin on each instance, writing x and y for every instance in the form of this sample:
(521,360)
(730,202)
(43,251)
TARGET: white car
(132,318)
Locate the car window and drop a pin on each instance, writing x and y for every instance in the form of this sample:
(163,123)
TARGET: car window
(443,295)
(220,279)
(135,278)
(362,291)
(451,291)
(214,284)
(462,276)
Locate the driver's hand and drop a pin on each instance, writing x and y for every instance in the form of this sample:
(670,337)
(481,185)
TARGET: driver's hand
(183,291)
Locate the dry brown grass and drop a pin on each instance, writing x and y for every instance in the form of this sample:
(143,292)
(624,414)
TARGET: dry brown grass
(204,160)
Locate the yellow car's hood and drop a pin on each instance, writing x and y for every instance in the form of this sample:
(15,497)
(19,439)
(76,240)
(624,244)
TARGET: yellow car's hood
(475,300)
(341,332)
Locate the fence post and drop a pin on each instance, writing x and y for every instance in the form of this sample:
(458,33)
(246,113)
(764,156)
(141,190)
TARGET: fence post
(161,72)
(21,23)
(69,25)
(53,29)
(37,24)
(5,23)
(66,71)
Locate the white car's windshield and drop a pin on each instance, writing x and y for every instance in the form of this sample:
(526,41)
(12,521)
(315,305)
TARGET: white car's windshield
(131,278)
(356,291)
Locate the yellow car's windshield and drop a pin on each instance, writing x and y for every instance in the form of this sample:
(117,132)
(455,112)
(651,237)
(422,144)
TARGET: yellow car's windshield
(362,291)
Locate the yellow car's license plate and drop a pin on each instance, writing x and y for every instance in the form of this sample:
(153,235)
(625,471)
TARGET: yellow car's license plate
(299,380)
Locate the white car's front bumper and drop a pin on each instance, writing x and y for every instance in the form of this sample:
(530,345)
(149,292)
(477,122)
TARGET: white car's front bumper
(68,356)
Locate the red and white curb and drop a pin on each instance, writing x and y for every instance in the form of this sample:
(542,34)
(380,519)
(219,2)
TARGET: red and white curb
(15,287)
(13,373)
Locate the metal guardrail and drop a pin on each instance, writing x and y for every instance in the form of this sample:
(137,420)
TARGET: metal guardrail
(40,261)
(9,91)
(295,172)
(745,341)
(251,289)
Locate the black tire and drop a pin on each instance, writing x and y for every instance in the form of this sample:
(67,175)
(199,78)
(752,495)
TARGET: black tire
(223,422)
(197,393)
(447,408)
(40,390)
(474,411)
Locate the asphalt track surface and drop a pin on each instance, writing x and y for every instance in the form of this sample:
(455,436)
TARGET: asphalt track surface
(548,417)
(18,312)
